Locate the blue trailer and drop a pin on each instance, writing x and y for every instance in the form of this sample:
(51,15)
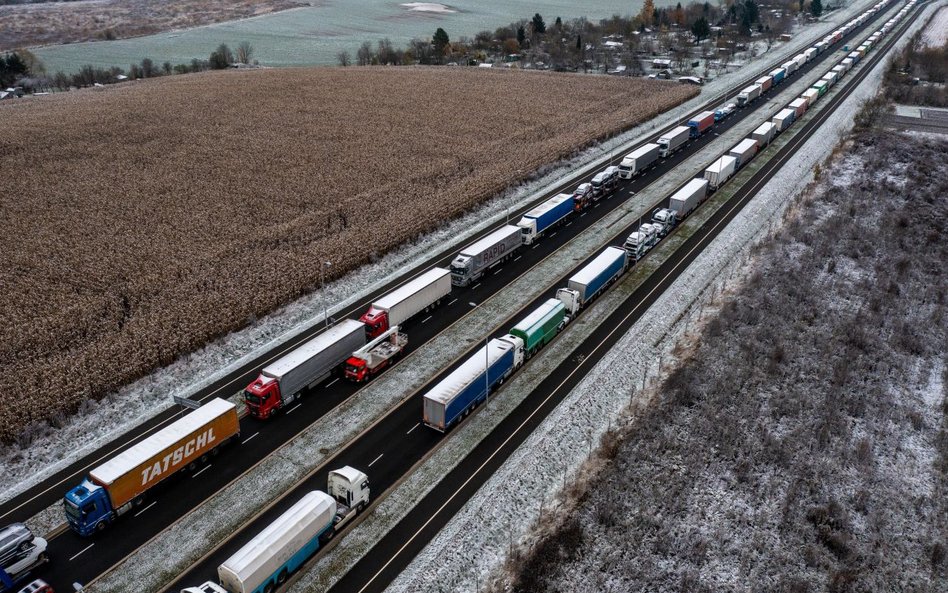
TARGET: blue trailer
(466,387)
(778,75)
(586,284)
(535,222)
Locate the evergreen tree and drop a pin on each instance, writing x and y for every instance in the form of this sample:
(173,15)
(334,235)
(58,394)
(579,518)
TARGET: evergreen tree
(539,27)
(440,42)
(816,8)
(701,29)
(521,35)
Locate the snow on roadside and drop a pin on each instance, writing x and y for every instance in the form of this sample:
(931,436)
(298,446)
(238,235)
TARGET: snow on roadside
(476,540)
(936,33)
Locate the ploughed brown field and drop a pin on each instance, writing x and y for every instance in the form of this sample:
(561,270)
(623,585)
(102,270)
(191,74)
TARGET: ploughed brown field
(144,220)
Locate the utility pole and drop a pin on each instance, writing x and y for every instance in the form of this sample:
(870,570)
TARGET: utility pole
(322,282)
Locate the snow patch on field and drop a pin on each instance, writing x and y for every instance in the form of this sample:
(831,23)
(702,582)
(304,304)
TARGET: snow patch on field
(431,7)
(936,33)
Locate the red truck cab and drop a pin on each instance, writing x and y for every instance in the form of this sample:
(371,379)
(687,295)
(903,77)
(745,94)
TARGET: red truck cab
(262,397)
(357,369)
(376,322)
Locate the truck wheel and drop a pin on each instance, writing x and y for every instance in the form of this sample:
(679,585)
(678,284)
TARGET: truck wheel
(138,501)
(192,466)
(268,588)
(281,578)
(100,526)
(360,507)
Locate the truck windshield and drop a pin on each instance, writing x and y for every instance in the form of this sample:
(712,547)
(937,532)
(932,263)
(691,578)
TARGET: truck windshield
(251,398)
(71,510)
(458,271)
(352,368)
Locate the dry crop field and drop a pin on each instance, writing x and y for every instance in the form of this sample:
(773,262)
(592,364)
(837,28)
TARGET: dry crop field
(46,23)
(150,218)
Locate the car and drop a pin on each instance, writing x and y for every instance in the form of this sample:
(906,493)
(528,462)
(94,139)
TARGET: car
(730,108)
(16,540)
(37,586)
(584,191)
(613,172)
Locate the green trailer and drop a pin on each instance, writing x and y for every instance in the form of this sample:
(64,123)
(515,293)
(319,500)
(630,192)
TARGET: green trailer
(821,88)
(539,327)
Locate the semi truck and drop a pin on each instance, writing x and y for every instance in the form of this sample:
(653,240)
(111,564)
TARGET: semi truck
(283,381)
(720,171)
(790,67)
(810,53)
(592,279)
(21,553)
(800,59)
(764,82)
(664,219)
(539,327)
(687,198)
(701,123)
(748,95)
(638,160)
(673,140)
(744,151)
(479,257)
(374,357)
(266,561)
(421,294)
(121,483)
(764,133)
(537,221)
(641,241)
(469,384)
(811,95)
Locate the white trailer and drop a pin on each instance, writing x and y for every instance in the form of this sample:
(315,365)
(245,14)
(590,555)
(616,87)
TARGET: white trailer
(403,303)
(687,198)
(592,279)
(790,67)
(744,151)
(800,59)
(720,171)
(636,161)
(673,140)
(483,255)
(764,133)
(748,95)
(810,53)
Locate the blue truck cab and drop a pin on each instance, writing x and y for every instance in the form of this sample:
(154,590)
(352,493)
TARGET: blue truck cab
(88,508)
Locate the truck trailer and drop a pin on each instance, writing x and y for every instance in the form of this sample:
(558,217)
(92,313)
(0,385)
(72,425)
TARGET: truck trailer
(469,384)
(477,258)
(669,143)
(590,281)
(798,106)
(539,327)
(537,221)
(744,151)
(283,381)
(811,95)
(21,553)
(121,483)
(720,171)
(784,119)
(376,356)
(764,82)
(748,95)
(638,160)
(421,294)
(687,198)
(764,134)
(778,75)
(790,67)
(266,561)
(701,123)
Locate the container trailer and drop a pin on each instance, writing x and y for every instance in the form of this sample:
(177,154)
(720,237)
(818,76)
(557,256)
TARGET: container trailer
(701,123)
(537,221)
(539,327)
(121,483)
(669,143)
(421,294)
(747,95)
(764,82)
(636,161)
(764,134)
(21,553)
(744,151)
(784,119)
(687,198)
(469,384)
(720,171)
(375,356)
(479,257)
(592,279)
(799,106)
(282,382)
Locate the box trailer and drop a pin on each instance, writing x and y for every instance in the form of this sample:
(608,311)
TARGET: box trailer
(121,483)
(764,133)
(811,95)
(820,86)
(421,294)
(848,64)
(669,143)
(784,119)
(839,70)
(764,82)
(540,326)
(638,160)
(469,384)
(477,258)
(687,198)
(790,67)
(701,123)
(592,279)
(283,381)
(800,59)
(810,53)
(778,75)
(747,95)
(537,221)
(720,171)
(744,151)
(799,106)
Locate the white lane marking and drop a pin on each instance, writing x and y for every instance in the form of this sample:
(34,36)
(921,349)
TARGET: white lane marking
(475,286)
(535,246)
(331,383)
(376,459)
(204,469)
(413,428)
(518,257)
(552,235)
(81,552)
(631,193)
(498,271)
(146,508)
(426,319)
(452,302)
(293,408)
(248,439)
(569,223)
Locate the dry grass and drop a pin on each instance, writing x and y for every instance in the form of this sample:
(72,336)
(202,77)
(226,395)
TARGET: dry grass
(147,219)
(26,25)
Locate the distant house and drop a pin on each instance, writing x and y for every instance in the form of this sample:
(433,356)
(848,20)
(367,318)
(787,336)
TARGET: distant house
(613,44)
(696,80)
(485,65)
(660,64)
(618,70)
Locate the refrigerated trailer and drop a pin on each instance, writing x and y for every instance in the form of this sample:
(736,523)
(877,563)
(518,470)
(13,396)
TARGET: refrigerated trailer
(421,294)
(121,483)
(282,382)
(540,326)
(477,258)
(638,160)
(542,218)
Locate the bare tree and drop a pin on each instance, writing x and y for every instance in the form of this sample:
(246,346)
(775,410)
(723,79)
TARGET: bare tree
(364,55)
(244,52)
(344,58)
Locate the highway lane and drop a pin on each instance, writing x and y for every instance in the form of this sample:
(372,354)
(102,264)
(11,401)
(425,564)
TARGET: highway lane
(260,439)
(49,491)
(397,443)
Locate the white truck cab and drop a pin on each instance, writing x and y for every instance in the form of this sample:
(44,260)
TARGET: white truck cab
(350,488)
